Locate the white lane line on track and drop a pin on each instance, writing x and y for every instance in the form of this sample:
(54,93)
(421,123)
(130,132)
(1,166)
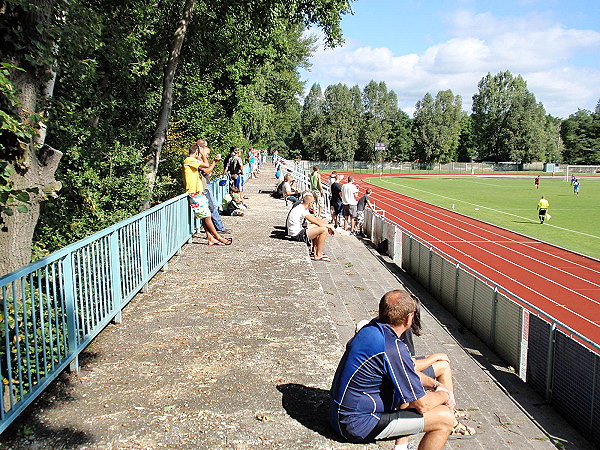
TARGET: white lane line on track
(512,262)
(491,209)
(544,255)
(442,213)
(540,261)
(493,269)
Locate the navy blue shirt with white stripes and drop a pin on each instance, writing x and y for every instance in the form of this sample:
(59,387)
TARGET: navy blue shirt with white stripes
(375,376)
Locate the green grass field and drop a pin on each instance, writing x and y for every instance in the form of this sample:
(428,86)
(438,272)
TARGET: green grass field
(512,203)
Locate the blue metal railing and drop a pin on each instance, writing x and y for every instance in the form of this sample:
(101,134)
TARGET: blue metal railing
(54,307)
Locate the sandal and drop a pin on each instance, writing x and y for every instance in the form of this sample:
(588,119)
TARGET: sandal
(462,431)
(322,258)
(459,414)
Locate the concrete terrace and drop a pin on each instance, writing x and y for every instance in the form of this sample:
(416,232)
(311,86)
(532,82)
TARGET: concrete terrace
(235,347)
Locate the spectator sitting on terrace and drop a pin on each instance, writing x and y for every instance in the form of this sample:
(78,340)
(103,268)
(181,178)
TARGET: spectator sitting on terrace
(289,193)
(198,201)
(435,366)
(377,393)
(233,203)
(315,233)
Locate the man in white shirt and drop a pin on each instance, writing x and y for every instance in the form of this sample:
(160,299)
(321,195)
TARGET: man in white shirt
(316,233)
(289,193)
(349,202)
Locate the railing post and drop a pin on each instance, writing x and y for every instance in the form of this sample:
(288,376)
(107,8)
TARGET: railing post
(456,289)
(69,293)
(115,274)
(429,270)
(163,239)
(550,362)
(494,321)
(144,251)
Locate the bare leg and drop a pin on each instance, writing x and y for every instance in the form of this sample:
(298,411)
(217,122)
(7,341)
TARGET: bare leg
(438,426)
(318,236)
(212,235)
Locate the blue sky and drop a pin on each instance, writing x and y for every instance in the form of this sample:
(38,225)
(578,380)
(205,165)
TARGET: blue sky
(428,46)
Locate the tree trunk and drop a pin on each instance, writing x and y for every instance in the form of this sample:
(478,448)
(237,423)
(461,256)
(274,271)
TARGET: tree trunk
(16,235)
(160,133)
(33,169)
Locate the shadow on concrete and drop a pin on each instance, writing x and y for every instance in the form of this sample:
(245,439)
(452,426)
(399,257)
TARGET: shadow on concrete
(309,406)
(280,233)
(28,429)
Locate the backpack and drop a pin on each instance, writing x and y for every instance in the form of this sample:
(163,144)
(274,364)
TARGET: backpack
(278,193)
(234,166)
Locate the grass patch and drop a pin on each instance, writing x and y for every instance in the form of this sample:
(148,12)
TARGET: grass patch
(512,203)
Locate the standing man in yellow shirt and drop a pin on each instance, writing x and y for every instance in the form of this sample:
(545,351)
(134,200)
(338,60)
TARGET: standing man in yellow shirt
(542,207)
(198,201)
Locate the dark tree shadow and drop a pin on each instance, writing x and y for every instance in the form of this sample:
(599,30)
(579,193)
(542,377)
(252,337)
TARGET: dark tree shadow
(309,406)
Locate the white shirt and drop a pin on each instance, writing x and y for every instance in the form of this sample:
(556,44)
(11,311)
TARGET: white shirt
(348,191)
(296,219)
(287,189)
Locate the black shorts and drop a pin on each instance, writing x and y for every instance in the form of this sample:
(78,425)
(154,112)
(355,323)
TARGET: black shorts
(542,212)
(301,237)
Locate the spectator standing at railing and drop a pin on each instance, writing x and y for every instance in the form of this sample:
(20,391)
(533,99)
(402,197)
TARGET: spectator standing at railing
(363,203)
(317,189)
(336,201)
(235,167)
(349,202)
(206,169)
(194,187)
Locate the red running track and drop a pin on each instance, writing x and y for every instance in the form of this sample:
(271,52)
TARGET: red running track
(561,283)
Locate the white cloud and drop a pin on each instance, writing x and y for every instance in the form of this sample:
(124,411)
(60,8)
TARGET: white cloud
(532,46)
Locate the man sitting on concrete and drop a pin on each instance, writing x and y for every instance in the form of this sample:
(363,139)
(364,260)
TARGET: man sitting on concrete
(315,233)
(289,193)
(378,394)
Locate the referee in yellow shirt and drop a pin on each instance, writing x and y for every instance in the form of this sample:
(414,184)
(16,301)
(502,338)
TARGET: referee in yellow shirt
(542,207)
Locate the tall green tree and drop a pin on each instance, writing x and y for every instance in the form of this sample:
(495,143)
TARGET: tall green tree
(580,133)
(467,148)
(507,120)
(436,127)
(339,129)
(311,123)
(379,115)
(401,141)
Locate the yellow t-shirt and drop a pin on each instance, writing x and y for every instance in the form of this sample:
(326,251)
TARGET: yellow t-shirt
(191,177)
(543,204)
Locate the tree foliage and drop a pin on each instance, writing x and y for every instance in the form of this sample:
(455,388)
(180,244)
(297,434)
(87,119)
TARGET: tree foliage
(580,133)
(507,120)
(236,83)
(437,126)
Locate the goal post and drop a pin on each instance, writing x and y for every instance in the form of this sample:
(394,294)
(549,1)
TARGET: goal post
(577,170)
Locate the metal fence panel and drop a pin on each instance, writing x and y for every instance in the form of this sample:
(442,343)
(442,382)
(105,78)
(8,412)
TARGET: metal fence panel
(537,354)
(448,288)
(483,311)
(398,244)
(435,276)
(573,381)
(367,226)
(406,252)
(464,299)
(389,233)
(508,330)
(415,251)
(424,257)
